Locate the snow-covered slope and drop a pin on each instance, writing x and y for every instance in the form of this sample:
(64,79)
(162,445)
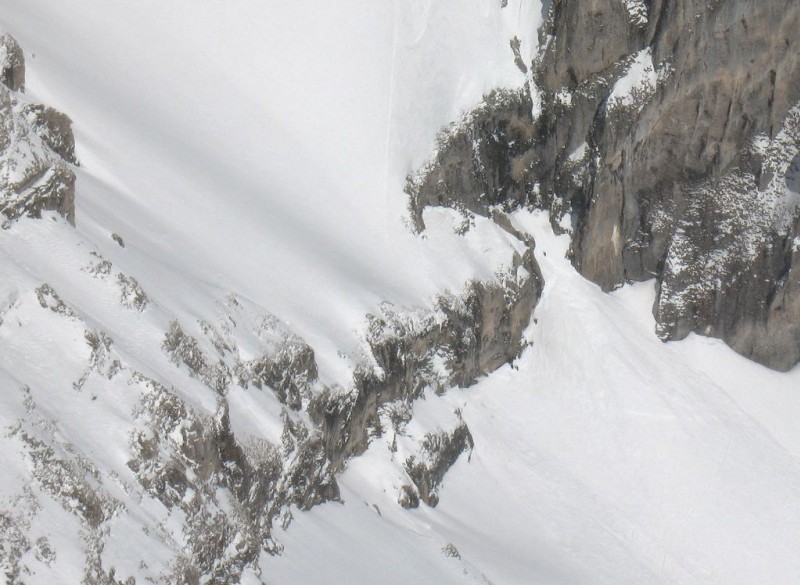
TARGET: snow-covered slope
(603,456)
(240,196)
(251,148)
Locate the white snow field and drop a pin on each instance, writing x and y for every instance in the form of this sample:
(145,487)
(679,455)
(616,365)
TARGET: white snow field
(249,146)
(261,148)
(606,456)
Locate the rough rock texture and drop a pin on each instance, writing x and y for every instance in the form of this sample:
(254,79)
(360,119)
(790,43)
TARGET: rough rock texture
(427,469)
(12,64)
(667,130)
(728,71)
(215,491)
(467,336)
(481,160)
(54,128)
(732,266)
(36,148)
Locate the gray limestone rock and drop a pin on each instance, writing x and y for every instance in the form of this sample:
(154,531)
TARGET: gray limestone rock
(54,128)
(675,189)
(731,269)
(473,334)
(480,161)
(12,64)
(651,117)
(438,453)
(726,71)
(36,148)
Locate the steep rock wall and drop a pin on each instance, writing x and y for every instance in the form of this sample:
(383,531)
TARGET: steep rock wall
(667,130)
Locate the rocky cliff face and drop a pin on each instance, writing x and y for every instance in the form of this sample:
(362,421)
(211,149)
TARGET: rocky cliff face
(36,148)
(668,131)
(12,64)
(468,335)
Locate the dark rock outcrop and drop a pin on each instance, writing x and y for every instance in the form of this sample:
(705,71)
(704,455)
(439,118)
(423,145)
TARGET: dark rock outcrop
(36,148)
(12,64)
(54,128)
(481,161)
(427,469)
(732,268)
(472,335)
(726,71)
(290,372)
(667,129)
(178,451)
(182,458)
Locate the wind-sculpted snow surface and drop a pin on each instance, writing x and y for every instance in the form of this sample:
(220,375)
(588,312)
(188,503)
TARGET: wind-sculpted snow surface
(132,430)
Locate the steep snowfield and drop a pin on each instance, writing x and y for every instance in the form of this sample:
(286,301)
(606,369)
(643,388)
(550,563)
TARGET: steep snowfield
(250,147)
(605,457)
(261,148)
